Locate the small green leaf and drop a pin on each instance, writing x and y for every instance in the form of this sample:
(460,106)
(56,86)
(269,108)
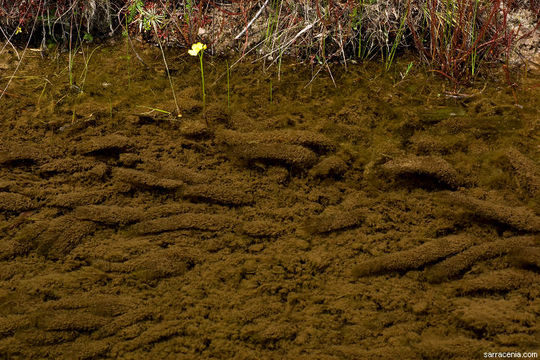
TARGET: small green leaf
(88,37)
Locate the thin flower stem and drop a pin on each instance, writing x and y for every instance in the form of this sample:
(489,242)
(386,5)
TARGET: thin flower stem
(167,68)
(202,78)
(228,85)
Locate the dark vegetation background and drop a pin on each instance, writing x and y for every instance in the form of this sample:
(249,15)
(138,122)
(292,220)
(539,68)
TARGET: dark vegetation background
(456,38)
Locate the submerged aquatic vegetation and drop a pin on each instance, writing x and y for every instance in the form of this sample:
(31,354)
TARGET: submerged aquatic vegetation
(295,195)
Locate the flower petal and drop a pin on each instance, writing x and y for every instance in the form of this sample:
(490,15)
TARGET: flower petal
(196,48)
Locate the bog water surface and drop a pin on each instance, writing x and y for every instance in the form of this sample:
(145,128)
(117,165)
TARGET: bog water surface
(361,215)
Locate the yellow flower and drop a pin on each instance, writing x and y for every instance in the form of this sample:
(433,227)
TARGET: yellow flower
(196,48)
(18,31)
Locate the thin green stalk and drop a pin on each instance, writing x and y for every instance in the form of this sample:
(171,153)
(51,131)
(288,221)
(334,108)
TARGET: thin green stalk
(358,18)
(202,78)
(188,7)
(397,40)
(82,78)
(152,109)
(279,64)
(168,73)
(272,22)
(360,52)
(161,111)
(228,85)
(70,65)
(42,92)
(73,52)
(474,54)
(198,49)
(128,57)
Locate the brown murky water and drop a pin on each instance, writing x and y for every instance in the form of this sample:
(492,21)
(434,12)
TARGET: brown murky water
(373,220)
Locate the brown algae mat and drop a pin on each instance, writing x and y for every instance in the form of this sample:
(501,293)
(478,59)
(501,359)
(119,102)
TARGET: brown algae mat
(379,219)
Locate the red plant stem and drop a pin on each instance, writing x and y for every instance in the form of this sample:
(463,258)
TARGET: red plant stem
(445,75)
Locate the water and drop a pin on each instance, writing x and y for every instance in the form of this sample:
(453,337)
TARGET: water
(316,217)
